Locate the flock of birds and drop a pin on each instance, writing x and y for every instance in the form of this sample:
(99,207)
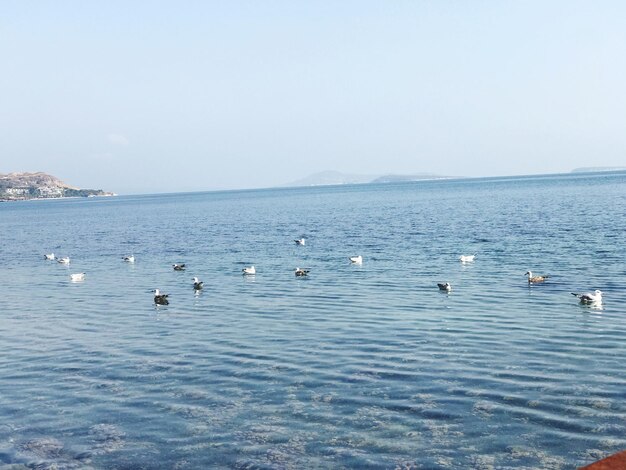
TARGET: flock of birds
(587,298)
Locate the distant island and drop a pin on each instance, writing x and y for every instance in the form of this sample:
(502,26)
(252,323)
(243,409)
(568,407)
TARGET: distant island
(23,186)
(335,177)
(598,168)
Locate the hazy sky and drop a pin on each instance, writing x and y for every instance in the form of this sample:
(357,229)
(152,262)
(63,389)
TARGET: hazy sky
(149,96)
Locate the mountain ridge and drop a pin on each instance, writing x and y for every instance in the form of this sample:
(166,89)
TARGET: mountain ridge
(324,178)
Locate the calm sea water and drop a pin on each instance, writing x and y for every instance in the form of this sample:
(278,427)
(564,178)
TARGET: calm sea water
(365,366)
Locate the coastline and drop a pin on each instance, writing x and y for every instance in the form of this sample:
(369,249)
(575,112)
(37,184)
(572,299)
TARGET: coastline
(55,198)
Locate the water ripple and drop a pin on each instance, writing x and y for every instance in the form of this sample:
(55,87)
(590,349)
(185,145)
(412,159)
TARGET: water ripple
(355,367)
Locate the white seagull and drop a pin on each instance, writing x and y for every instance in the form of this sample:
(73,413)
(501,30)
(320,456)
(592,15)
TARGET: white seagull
(533,279)
(49,257)
(77,277)
(467,258)
(301,272)
(356,259)
(160,299)
(249,271)
(129,258)
(300,241)
(197,283)
(444,286)
(65,260)
(590,298)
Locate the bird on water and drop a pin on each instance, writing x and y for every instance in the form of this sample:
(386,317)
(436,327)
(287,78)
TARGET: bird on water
(300,272)
(197,283)
(590,297)
(160,299)
(249,271)
(535,279)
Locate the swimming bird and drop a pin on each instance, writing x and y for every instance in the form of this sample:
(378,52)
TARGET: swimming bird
(249,271)
(178,267)
(444,286)
(300,241)
(160,299)
(590,298)
(129,258)
(197,283)
(49,257)
(64,260)
(533,279)
(301,272)
(467,258)
(76,277)
(356,259)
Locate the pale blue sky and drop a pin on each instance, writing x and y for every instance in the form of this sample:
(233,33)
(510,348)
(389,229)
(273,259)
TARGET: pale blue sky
(148,96)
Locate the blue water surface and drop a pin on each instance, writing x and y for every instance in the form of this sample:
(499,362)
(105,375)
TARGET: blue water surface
(355,366)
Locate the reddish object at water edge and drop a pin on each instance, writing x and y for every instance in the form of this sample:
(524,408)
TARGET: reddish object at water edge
(612,462)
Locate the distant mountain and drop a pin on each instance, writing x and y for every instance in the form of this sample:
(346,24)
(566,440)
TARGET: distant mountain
(21,186)
(335,177)
(598,168)
(332,177)
(406,178)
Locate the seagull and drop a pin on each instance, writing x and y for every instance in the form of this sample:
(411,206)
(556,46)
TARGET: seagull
(532,279)
(301,241)
(129,259)
(249,271)
(178,267)
(301,272)
(77,277)
(467,258)
(445,286)
(65,260)
(356,259)
(197,284)
(589,298)
(49,257)
(160,299)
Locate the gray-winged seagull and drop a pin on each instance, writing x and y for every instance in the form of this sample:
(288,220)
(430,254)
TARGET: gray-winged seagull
(533,279)
(590,298)
(160,299)
(197,283)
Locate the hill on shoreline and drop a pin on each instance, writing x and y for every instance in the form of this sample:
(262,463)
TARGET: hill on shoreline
(24,186)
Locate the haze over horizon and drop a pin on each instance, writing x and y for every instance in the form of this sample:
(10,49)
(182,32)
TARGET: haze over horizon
(149,97)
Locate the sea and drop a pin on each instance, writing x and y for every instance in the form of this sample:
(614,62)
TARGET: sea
(365,366)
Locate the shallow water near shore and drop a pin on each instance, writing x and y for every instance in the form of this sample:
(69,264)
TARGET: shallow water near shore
(354,366)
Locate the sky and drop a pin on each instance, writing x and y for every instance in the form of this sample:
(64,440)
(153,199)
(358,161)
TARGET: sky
(165,96)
